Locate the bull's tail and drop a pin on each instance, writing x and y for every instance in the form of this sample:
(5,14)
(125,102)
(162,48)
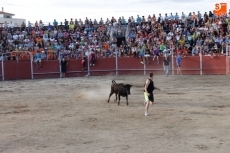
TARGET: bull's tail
(113,81)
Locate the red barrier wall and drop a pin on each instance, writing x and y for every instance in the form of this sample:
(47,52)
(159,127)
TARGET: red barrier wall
(129,65)
(156,68)
(228,68)
(14,70)
(104,66)
(216,65)
(189,65)
(74,68)
(107,66)
(50,69)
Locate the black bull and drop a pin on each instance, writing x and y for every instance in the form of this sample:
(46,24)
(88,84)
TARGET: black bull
(120,89)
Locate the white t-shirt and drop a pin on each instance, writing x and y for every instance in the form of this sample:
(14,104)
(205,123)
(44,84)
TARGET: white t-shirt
(26,40)
(178,29)
(41,25)
(55,31)
(10,41)
(203,29)
(6,25)
(177,37)
(170,33)
(21,36)
(52,39)
(11,25)
(45,39)
(168,37)
(15,37)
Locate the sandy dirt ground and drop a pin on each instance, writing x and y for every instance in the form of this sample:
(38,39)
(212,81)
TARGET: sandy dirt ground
(191,114)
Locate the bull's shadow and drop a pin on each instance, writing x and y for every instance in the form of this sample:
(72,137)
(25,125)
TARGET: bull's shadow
(120,89)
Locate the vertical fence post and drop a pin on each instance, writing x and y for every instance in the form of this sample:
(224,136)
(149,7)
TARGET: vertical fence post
(116,63)
(31,66)
(201,70)
(59,59)
(172,62)
(3,78)
(87,54)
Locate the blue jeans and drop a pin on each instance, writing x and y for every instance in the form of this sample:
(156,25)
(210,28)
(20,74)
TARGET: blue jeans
(166,69)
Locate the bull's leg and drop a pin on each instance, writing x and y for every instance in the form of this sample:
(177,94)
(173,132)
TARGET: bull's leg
(111,93)
(127,100)
(119,99)
(116,97)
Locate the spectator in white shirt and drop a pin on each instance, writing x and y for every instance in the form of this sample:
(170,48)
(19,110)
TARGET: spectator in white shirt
(21,36)
(15,36)
(52,40)
(5,25)
(10,41)
(41,25)
(45,38)
(10,26)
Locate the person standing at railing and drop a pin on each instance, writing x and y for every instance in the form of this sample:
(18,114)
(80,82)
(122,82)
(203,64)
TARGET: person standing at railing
(23,26)
(66,24)
(138,20)
(10,26)
(55,24)
(41,25)
(123,21)
(71,25)
(63,64)
(166,64)
(178,62)
(5,25)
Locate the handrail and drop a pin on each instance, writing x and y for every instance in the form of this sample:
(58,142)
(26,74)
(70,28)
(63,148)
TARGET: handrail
(48,73)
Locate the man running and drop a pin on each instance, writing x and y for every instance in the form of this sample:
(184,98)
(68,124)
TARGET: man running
(148,92)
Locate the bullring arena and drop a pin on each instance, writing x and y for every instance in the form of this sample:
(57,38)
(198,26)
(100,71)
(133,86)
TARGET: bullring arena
(68,115)
(41,112)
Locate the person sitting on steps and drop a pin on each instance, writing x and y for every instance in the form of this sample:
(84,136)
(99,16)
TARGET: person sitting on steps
(38,60)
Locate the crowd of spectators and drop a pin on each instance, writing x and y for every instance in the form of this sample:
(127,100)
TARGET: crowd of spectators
(144,36)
